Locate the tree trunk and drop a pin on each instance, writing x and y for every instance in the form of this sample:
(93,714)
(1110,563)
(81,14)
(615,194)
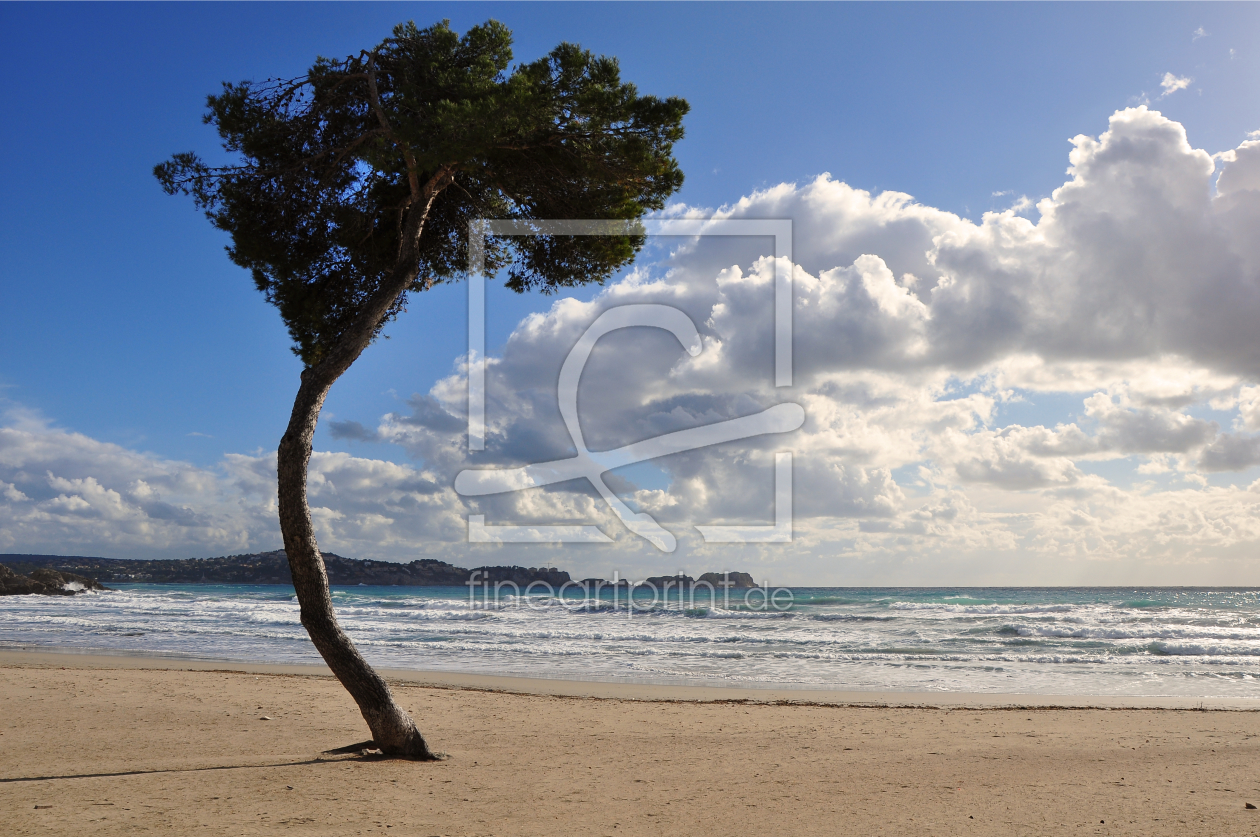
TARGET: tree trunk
(393,731)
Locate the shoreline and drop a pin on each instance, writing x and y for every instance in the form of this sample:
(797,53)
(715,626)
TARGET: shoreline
(628,690)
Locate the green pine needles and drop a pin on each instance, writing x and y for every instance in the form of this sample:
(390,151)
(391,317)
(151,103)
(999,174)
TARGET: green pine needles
(333,166)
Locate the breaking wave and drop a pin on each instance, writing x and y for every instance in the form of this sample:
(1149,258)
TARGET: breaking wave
(1152,641)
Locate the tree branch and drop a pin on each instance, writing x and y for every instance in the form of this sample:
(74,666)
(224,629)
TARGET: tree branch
(413,178)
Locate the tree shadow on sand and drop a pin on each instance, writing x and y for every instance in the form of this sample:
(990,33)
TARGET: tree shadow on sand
(363,751)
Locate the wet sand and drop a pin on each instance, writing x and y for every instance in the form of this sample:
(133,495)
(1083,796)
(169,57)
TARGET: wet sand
(118,745)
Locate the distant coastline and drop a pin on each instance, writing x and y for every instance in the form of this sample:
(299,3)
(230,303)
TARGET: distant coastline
(273,568)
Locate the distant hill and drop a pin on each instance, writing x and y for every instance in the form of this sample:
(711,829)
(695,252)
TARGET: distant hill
(273,568)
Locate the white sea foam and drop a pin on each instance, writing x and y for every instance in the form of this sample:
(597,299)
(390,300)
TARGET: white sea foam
(1076,642)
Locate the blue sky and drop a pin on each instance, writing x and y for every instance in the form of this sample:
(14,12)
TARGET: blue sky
(122,320)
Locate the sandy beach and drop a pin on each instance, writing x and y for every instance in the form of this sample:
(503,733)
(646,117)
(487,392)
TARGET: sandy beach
(114,745)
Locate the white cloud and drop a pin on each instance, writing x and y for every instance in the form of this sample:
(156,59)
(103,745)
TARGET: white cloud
(1243,172)
(1199,33)
(1171,84)
(1002,459)
(1248,408)
(1128,302)
(63,492)
(897,305)
(1231,453)
(1128,429)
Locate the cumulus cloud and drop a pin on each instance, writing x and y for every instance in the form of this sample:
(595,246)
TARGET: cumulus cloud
(1003,459)
(1134,288)
(63,492)
(1243,172)
(1129,301)
(1230,452)
(1248,408)
(1128,429)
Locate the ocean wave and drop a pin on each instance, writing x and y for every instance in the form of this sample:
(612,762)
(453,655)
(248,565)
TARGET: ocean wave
(982,609)
(1174,649)
(809,601)
(1017,640)
(1127,632)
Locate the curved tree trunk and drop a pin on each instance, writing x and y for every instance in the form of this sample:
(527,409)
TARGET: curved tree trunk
(393,731)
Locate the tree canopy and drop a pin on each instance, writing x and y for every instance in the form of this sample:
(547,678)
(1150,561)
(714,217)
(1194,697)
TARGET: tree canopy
(330,163)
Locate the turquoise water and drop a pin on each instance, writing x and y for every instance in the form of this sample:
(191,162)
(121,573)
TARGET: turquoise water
(1082,641)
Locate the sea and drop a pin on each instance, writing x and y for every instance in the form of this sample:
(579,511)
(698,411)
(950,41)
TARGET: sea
(1159,641)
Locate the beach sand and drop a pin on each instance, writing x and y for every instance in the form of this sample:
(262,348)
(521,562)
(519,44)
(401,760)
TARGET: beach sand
(114,745)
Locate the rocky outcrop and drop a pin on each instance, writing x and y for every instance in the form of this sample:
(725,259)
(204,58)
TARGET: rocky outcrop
(670,582)
(738,581)
(44,581)
(12,584)
(735,581)
(590,585)
(520,576)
